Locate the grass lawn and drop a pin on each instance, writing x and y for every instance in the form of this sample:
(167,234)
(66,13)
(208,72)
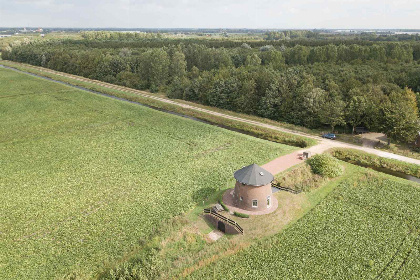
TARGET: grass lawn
(367,227)
(85,178)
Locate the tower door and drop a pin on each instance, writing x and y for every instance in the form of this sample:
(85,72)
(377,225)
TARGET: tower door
(268,201)
(221,226)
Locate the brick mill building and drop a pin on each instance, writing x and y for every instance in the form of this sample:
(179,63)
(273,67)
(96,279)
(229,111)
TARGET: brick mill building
(253,188)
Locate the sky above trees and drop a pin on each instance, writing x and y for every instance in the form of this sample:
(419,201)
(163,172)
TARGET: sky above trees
(211,14)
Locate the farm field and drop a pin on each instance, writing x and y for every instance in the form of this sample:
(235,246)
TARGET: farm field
(368,227)
(85,178)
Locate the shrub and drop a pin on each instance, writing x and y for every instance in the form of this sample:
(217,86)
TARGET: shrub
(224,206)
(240,215)
(325,165)
(153,88)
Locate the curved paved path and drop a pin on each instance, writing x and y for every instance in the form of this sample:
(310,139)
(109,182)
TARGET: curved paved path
(284,162)
(276,165)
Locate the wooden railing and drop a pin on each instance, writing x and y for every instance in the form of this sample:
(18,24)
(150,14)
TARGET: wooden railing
(287,189)
(224,219)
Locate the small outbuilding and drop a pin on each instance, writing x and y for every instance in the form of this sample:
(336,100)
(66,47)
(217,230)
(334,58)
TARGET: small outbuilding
(253,188)
(306,154)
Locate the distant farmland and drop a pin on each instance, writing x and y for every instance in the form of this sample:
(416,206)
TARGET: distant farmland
(85,177)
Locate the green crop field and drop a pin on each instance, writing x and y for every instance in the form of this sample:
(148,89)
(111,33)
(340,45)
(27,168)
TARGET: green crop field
(84,178)
(367,228)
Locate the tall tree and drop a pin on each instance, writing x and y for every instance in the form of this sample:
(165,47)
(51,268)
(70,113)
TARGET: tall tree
(154,68)
(252,60)
(332,112)
(178,66)
(313,103)
(401,121)
(356,110)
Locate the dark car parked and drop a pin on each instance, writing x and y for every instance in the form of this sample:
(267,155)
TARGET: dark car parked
(329,136)
(361,130)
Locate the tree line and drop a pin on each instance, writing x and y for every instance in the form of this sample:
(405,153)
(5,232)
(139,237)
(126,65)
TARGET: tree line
(374,85)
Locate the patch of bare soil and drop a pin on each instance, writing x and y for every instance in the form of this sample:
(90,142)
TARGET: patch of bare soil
(215,235)
(373,139)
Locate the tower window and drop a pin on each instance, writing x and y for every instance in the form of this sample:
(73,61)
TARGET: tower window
(254,203)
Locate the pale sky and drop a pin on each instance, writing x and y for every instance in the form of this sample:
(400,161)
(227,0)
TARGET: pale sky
(211,14)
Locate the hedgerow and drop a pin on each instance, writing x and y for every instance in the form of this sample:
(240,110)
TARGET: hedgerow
(223,205)
(241,215)
(368,160)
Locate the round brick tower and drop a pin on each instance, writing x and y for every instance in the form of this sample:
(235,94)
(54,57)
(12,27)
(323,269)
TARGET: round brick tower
(253,188)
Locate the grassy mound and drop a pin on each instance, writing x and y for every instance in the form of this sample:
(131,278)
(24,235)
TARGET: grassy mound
(300,179)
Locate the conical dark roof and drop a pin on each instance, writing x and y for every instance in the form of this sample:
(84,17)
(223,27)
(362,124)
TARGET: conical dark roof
(253,175)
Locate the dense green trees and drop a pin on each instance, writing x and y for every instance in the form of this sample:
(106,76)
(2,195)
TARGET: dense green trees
(311,83)
(154,68)
(401,116)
